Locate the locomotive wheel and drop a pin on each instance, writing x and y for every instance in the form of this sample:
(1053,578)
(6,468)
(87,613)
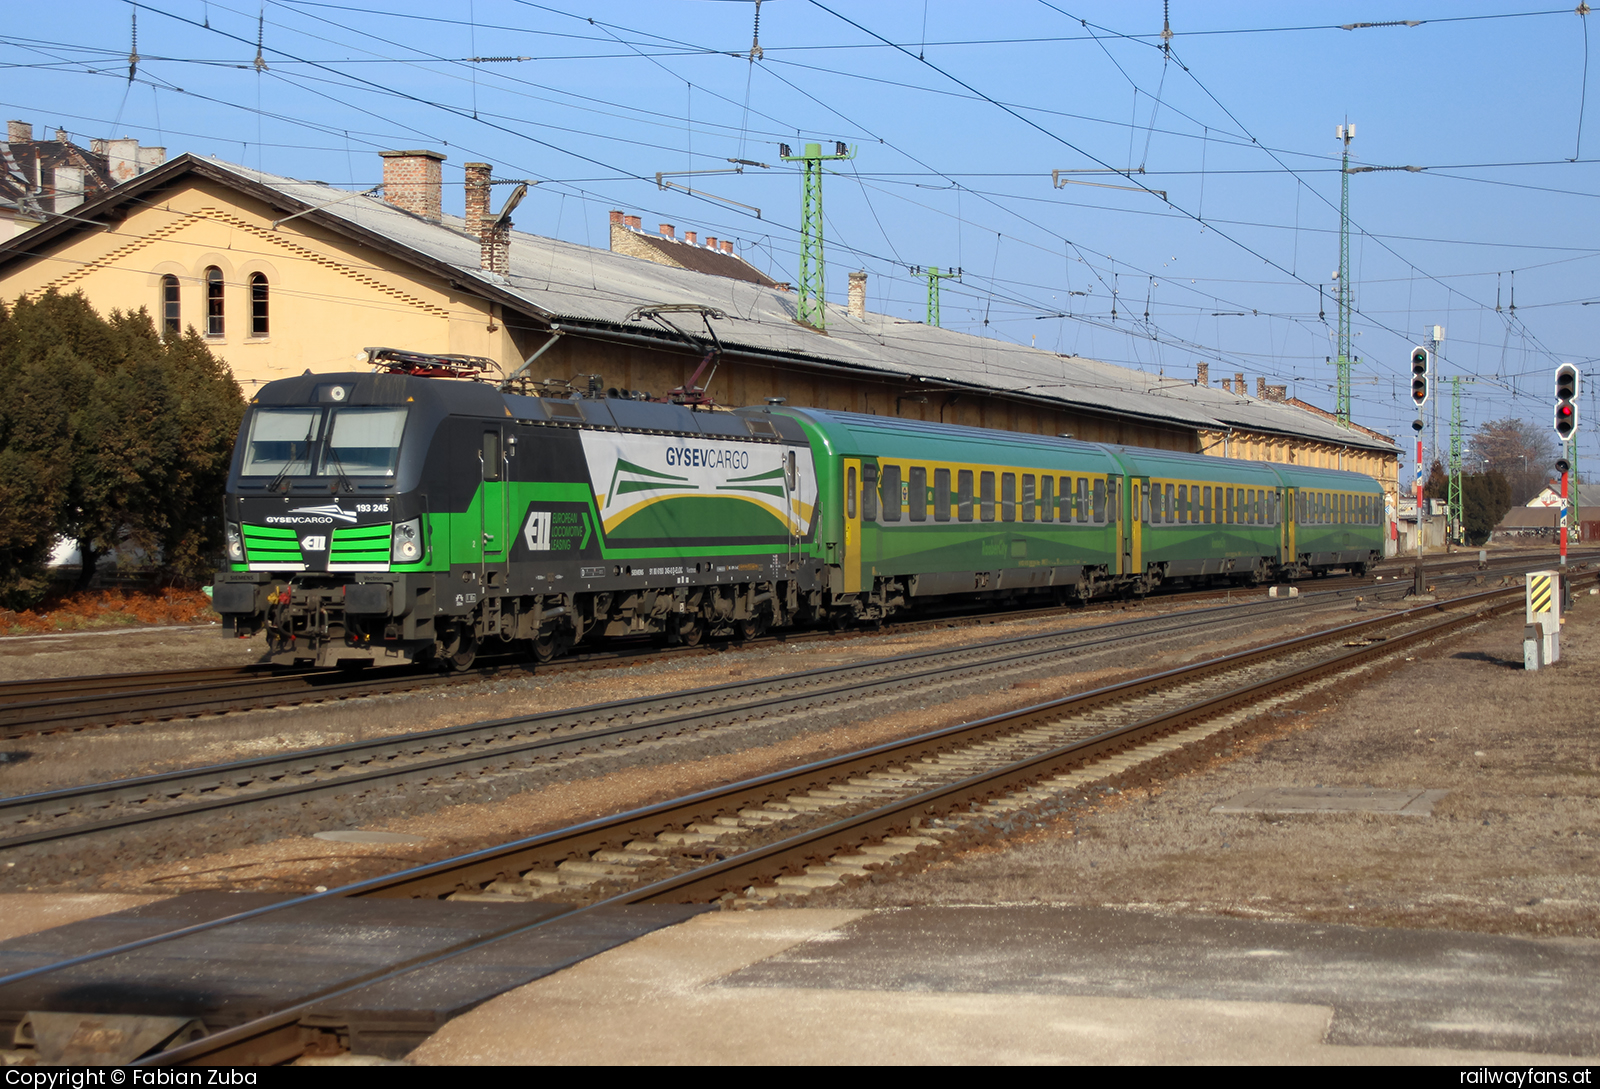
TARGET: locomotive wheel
(543,648)
(751,628)
(690,630)
(460,651)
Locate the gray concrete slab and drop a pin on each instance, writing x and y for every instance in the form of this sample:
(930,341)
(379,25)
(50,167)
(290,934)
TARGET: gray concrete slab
(1321,799)
(1386,987)
(1005,985)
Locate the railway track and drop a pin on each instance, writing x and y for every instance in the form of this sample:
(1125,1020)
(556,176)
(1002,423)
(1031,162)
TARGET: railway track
(848,817)
(68,704)
(459,754)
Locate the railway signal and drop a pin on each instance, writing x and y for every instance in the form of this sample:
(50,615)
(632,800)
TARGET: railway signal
(1566,401)
(1420,365)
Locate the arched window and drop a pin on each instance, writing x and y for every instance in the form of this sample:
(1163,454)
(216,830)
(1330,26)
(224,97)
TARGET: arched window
(258,304)
(214,326)
(171,315)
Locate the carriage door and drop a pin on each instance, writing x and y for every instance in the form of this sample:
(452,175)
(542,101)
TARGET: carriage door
(1138,511)
(492,505)
(1115,500)
(1287,528)
(850,559)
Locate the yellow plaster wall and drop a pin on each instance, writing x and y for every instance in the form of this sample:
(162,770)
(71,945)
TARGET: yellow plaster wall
(327,298)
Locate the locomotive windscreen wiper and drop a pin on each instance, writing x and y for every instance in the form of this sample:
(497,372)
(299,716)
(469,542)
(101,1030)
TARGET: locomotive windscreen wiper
(290,461)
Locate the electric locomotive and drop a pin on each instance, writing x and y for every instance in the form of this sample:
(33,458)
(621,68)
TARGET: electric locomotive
(394,517)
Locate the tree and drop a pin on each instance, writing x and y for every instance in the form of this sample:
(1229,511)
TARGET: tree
(1518,451)
(118,440)
(1485,498)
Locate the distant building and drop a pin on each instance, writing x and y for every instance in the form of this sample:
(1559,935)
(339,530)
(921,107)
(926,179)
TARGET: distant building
(713,256)
(44,178)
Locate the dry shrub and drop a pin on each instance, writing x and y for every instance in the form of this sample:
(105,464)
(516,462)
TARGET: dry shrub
(110,609)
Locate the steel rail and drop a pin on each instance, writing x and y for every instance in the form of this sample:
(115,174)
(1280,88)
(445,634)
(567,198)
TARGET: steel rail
(76,703)
(745,699)
(264,1034)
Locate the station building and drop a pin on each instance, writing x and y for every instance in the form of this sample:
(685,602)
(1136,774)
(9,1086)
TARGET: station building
(281,276)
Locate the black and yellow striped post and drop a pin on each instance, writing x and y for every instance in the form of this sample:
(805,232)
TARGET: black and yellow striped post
(1544,617)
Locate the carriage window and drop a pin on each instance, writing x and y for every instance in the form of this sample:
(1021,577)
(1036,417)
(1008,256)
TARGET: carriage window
(1144,503)
(1081,504)
(1030,502)
(919,495)
(1300,506)
(1099,502)
(1169,506)
(171,313)
(869,493)
(1008,497)
(941,495)
(850,492)
(964,496)
(1205,507)
(986,497)
(891,493)
(1258,511)
(1047,498)
(1183,503)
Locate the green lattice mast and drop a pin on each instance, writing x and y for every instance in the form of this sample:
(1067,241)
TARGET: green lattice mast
(811,268)
(934,276)
(1457,515)
(1347,132)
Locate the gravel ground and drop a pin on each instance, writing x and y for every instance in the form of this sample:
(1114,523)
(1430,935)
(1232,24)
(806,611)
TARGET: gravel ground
(1514,847)
(276,850)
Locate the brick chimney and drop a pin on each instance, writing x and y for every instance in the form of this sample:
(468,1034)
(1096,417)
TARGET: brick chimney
(858,296)
(668,231)
(478,214)
(633,221)
(19,132)
(1261,388)
(1202,374)
(412,180)
(727,247)
(690,237)
(1238,383)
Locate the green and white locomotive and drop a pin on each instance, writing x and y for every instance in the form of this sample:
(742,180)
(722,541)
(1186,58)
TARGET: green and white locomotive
(393,517)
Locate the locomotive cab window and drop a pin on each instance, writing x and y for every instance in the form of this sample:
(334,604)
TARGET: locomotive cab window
(891,493)
(280,441)
(941,495)
(366,442)
(918,494)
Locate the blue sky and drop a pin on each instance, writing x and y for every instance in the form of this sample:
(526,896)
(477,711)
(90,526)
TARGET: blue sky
(958,114)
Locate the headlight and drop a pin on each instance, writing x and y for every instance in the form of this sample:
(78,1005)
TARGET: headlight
(235,544)
(406,545)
